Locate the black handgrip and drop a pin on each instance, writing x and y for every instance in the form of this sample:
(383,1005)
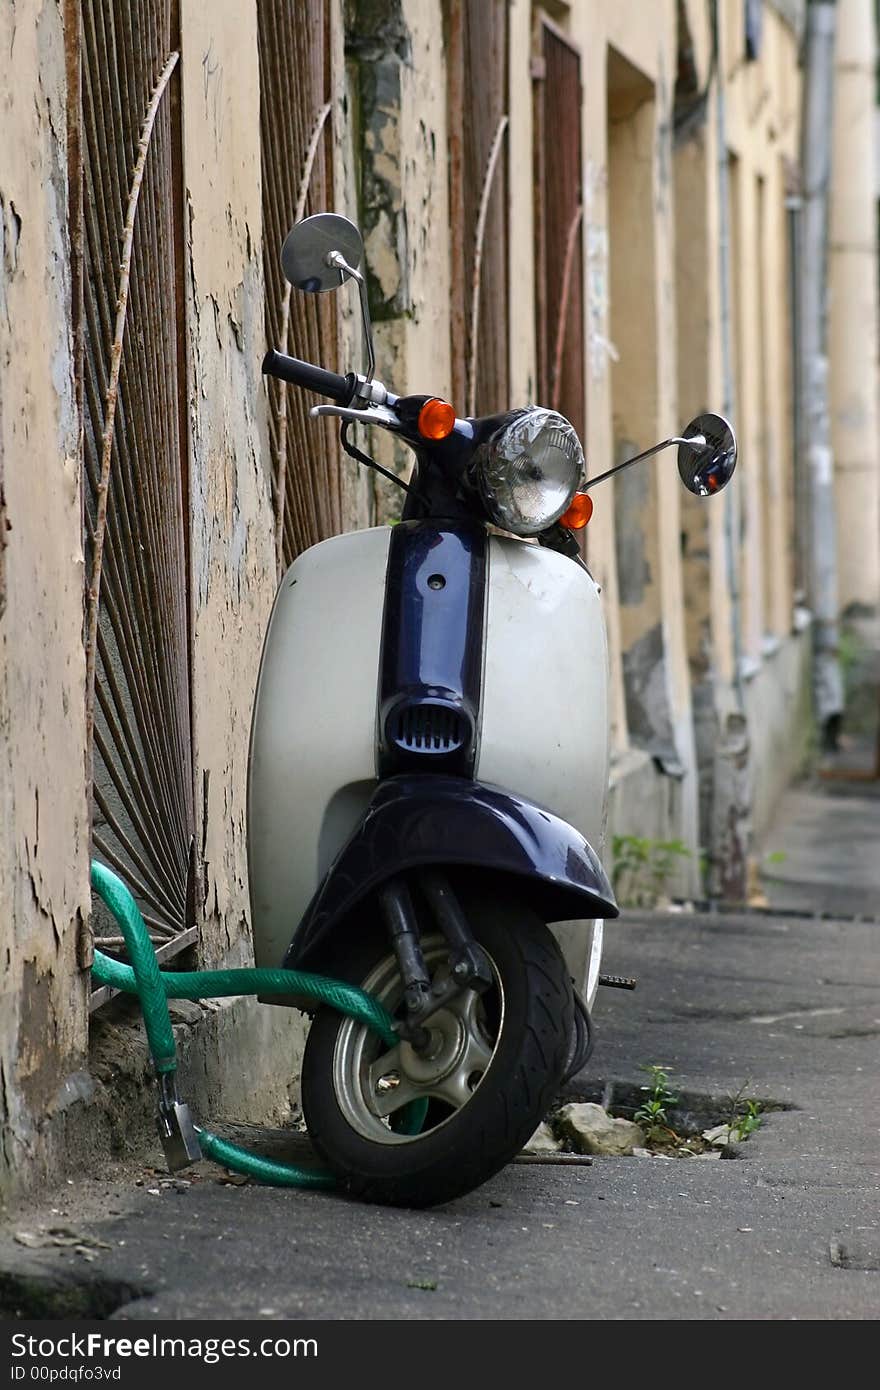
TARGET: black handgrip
(324,383)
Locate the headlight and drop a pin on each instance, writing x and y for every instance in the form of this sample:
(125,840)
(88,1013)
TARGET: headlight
(529,471)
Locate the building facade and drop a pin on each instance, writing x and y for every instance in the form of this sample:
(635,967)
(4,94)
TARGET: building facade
(591,205)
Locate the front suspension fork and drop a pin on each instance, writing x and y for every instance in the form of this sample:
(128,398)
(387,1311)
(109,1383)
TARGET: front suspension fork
(469,964)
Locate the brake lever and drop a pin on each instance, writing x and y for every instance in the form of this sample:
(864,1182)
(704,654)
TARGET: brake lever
(376,415)
(354,452)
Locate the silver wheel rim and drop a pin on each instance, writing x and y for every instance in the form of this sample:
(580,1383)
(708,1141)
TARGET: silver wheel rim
(373,1082)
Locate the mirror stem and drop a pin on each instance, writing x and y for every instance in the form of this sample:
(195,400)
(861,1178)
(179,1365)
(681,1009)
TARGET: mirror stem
(338,261)
(637,458)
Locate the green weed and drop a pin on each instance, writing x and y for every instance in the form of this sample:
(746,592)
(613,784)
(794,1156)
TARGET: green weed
(653,1114)
(641,868)
(744,1116)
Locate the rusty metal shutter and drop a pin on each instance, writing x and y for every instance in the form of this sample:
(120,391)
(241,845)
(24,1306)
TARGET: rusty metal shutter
(296,135)
(477,46)
(137,618)
(559,226)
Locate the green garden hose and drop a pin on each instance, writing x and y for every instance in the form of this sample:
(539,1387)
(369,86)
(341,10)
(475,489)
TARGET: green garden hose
(154,987)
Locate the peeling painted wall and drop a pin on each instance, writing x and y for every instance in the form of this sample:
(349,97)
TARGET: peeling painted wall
(232,559)
(397,55)
(43,817)
(853,259)
(763,107)
(739,779)
(358,503)
(380,44)
(632,387)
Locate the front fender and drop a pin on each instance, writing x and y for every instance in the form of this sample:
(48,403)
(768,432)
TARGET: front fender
(417,820)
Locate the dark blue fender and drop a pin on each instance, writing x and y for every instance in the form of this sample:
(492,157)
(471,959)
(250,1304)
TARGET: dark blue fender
(421,819)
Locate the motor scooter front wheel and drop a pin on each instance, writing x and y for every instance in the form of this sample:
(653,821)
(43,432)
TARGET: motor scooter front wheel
(489,1073)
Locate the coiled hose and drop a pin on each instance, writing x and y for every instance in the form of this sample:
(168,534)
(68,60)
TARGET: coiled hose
(154,987)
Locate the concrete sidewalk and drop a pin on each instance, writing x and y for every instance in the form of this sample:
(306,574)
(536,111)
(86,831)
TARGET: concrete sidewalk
(784,1005)
(822,853)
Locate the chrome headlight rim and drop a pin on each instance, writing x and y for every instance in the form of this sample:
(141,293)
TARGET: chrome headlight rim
(531,423)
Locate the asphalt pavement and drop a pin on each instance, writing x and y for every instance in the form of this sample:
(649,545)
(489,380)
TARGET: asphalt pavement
(776,1005)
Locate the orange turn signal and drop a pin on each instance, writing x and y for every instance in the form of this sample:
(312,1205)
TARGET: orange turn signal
(578,513)
(436,419)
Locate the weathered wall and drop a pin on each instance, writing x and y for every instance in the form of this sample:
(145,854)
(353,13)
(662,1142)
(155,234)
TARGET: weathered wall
(358,502)
(232,553)
(231,549)
(763,104)
(780,724)
(43,819)
(852,326)
(630,59)
(738,590)
(763,129)
(43,812)
(398,79)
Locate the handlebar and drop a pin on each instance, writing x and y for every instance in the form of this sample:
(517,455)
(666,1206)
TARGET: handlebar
(338,388)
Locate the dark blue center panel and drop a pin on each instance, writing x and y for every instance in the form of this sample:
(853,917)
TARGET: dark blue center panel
(432,648)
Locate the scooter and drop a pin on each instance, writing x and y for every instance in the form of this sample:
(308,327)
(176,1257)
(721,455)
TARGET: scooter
(428,775)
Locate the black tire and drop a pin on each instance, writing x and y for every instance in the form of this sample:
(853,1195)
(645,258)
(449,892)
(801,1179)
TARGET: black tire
(582,1041)
(531,1049)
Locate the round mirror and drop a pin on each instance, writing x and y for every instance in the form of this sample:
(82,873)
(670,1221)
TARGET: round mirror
(706,462)
(306,247)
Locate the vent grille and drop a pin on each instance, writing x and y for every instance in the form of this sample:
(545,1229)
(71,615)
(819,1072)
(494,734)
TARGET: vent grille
(432,729)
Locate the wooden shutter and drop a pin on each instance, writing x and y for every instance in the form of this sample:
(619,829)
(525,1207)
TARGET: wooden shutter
(477,44)
(142,782)
(296,135)
(559,285)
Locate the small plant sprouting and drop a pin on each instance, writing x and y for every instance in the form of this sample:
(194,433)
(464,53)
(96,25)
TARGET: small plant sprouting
(747,1124)
(652,1114)
(744,1115)
(641,868)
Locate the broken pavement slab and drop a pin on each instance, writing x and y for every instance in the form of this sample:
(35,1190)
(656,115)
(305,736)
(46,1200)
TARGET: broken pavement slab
(592,1130)
(542,1141)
